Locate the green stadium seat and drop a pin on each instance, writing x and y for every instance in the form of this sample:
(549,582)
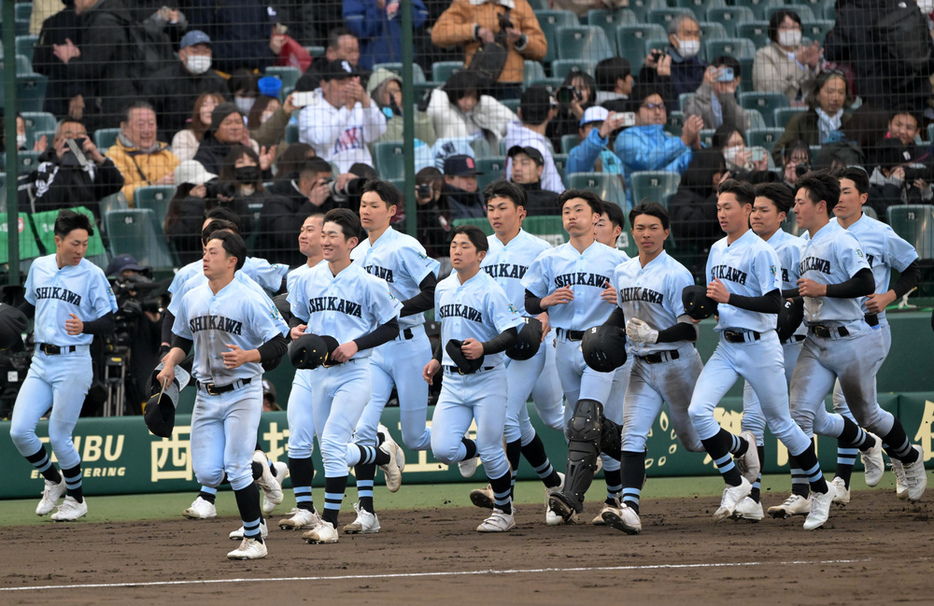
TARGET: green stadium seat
(757,31)
(664,16)
(766,103)
(315,51)
(608,186)
(706,136)
(914,223)
(730,17)
(698,6)
(388,159)
(675,123)
(754,119)
(641,8)
(569,142)
(23,11)
(655,185)
(610,20)
(630,42)
(554,83)
(803,10)
(481,222)
(28,248)
(39,121)
(25,46)
(442,70)
(30,92)
(417,74)
(830,11)
(104,138)
(683,99)
(550,21)
(739,48)
(561,67)
(584,42)
(532,71)
(781,116)
(291,133)
(492,169)
(288,75)
(481,148)
(547,227)
(27,161)
(44,224)
(155,198)
(816,29)
(561,162)
(711,29)
(745,68)
(763,137)
(761,8)
(135,231)
(513,104)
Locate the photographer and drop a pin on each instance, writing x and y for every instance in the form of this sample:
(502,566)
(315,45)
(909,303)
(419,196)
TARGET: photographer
(72,172)
(900,177)
(138,328)
(433,223)
(576,95)
(715,99)
(679,68)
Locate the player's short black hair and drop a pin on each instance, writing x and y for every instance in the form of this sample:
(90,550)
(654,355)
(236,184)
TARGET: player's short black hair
(821,185)
(615,214)
(653,209)
(233,245)
(858,175)
(501,188)
(744,192)
(68,221)
(217,225)
(475,235)
(347,219)
(592,199)
(779,193)
(225,214)
(387,192)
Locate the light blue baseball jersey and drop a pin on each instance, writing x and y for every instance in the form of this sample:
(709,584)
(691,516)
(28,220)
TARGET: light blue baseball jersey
(652,294)
(586,274)
(884,249)
(508,264)
(235,315)
(267,275)
(346,306)
(748,267)
(789,248)
(477,309)
(402,262)
(832,256)
(199,279)
(80,289)
(293,275)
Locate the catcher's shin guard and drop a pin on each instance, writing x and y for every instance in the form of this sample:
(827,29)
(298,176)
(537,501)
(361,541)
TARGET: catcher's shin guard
(584,436)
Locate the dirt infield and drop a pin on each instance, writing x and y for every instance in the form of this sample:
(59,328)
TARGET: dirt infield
(877,549)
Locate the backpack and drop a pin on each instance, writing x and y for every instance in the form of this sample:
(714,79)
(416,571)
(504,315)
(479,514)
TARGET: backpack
(903,32)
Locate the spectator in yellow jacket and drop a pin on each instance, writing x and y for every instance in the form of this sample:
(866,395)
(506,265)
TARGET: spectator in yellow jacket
(140,157)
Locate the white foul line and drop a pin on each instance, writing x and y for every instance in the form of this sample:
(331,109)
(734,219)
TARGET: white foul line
(433,574)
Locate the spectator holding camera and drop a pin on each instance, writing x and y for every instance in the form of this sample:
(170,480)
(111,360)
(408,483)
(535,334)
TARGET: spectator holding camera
(679,69)
(785,66)
(72,172)
(899,177)
(594,152)
(715,99)
(458,109)
(433,224)
(576,95)
(796,162)
(745,164)
(139,155)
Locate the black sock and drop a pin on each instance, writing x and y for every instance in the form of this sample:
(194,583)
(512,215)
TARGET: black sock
(471,448)
(257,470)
(718,447)
(365,474)
(73,482)
(808,463)
(898,446)
(302,472)
(250,513)
(534,453)
(502,488)
(40,460)
(513,452)
(614,484)
(755,494)
(207,496)
(632,466)
(333,496)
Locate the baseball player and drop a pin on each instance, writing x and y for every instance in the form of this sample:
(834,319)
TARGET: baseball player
(232,330)
(573,283)
(883,249)
(772,204)
(840,344)
(511,252)
(342,301)
(403,263)
(299,411)
(745,281)
(71,301)
(665,363)
(478,323)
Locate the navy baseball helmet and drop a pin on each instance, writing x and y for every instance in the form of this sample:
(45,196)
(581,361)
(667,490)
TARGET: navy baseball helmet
(789,317)
(311,351)
(530,339)
(696,302)
(465,366)
(604,347)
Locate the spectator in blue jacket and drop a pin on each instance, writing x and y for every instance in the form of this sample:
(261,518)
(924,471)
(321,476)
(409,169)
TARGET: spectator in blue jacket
(377,24)
(594,153)
(646,146)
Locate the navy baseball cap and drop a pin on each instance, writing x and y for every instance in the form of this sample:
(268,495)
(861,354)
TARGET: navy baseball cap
(125,262)
(460,166)
(195,36)
(531,152)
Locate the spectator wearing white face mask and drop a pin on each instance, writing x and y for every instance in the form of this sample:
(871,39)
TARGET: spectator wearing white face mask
(679,69)
(785,66)
(174,89)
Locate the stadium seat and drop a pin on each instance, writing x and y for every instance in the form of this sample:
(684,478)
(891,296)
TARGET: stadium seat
(641,7)
(816,29)
(706,137)
(766,103)
(914,223)
(561,67)
(135,231)
(388,159)
(39,121)
(608,186)
(28,248)
(442,70)
(830,11)
(288,75)
(532,71)
(569,142)
(26,161)
(699,7)
(23,11)
(513,104)
(675,123)
(155,198)
(754,119)
(104,138)
(315,51)
(762,8)
(30,92)
(554,83)
(664,16)
(745,69)
(730,17)
(480,222)
(25,46)
(561,163)
(630,42)
(655,185)
(550,21)
(930,131)
(803,10)
(781,116)
(739,48)
(763,137)
(291,133)
(418,75)
(44,223)
(711,29)
(610,20)
(492,169)
(481,148)
(683,99)
(757,31)
(583,42)
(547,227)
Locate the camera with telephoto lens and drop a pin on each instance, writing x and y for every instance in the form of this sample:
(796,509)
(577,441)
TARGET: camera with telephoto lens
(352,189)
(913,173)
(423,190)
(567,94)
(216,188)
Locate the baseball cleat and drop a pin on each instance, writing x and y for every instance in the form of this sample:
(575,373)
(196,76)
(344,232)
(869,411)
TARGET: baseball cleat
(623,518)
(392,471)
(873,465)
(468,467)
(598,520)
(268,483)
(282,471)
(916,478)
(70,510)
(324,532)
(300,519)
(250,549)
(400,454)
(50,496)
(366,522)
(901,483)
(200,510)
(794,505)
(841,492)
(482,497)
(732,495)
(748,510)
(498,522)
(237,535)
(559,504)
(820,507)
(748,464)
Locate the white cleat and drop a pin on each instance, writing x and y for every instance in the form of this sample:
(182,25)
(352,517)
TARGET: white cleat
(498,522)
(70,510)
(732,495)
(748,464)
(873,465)
(841,492)
(324,532)
(551,517)
(300,519)
(400,454)
(272,490)
(794,505)
(483,497)
(237,535)
(250,549)
(598,519)
(468,467)
(748,510)
(366,522)
(50,496)
(916,478)
(623,518)
(392,471)
(820,507)
(200,510)
(901,482)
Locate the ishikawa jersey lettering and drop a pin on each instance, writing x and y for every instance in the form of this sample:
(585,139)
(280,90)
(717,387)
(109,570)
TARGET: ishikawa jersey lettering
(508,264)
(235,315)
(402,262)
(789,248)
(586,274)
(267,275)
(346,306)
(748,267)
(832,256)
(652,294)
(80,289)
(477,309)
